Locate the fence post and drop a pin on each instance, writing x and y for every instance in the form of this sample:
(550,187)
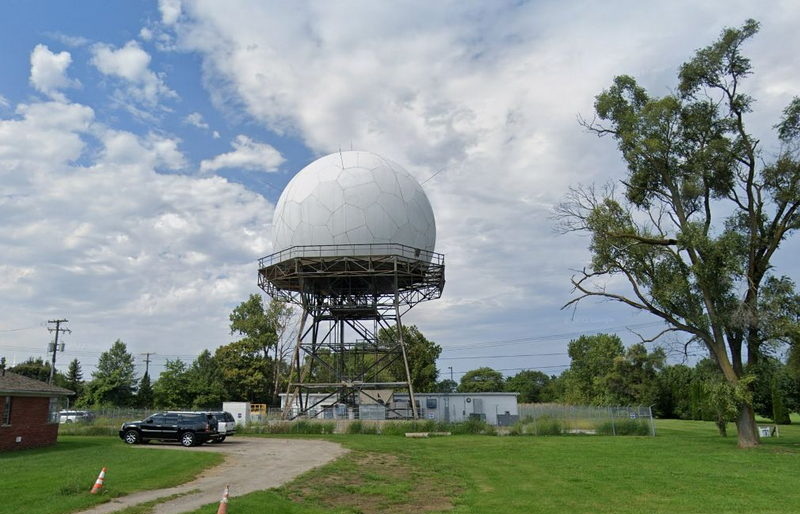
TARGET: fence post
(613,426)
(652,421)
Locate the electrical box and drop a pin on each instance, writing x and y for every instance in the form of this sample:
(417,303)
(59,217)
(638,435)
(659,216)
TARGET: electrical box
(239,410)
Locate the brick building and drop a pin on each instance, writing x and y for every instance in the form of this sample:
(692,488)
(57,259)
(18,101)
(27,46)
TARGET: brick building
(28,411)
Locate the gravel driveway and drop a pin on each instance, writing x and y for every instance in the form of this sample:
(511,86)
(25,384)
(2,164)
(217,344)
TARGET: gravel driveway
(251,464)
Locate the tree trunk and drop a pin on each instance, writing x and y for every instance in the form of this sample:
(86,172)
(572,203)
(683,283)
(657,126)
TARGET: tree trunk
(746,426)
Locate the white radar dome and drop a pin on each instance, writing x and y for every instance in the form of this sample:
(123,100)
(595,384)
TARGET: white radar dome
(354,197)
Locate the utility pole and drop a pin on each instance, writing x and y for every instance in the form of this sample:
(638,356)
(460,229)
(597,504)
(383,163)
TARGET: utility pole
(57,330)
(147,361)
(451,373)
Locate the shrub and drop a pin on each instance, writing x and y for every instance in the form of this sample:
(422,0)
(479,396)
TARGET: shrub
(624,427)
(547,425)
(473,426)
(359,427)
(292,427)
(402,427)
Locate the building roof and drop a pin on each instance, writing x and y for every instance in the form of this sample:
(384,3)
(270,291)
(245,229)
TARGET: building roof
(12,384)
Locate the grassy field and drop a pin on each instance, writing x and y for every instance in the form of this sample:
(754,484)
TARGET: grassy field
(58,479)
(686,468)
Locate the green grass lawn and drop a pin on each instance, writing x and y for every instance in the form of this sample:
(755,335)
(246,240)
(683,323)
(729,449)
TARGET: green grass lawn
(58,479)
(686,468)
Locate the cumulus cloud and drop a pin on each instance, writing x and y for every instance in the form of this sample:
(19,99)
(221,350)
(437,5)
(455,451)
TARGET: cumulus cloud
(248,155)
(196,120)
(131,64)
(49,72)
(66,39)
(110,242)
(489,94)
(170,10)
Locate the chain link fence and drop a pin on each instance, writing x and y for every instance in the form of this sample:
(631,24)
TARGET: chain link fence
(555,419)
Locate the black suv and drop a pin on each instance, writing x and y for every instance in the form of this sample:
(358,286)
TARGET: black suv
(190,429)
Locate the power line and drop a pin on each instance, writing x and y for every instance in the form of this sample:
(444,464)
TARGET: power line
(503,356)
(19,329)
(549,337)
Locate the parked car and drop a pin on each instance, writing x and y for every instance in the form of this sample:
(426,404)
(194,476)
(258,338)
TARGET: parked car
(74,416)
(188,428)
(226,425)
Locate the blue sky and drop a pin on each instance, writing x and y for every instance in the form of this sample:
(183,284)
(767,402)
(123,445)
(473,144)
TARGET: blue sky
(143,146)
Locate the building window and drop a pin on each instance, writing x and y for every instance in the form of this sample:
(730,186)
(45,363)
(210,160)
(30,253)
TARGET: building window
(52,411)
(6,419)
(430,403)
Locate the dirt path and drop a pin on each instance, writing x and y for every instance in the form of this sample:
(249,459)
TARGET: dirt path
(251,464)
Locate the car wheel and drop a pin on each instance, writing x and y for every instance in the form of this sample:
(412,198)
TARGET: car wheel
(68,421)
(220,439)
(188,439)
(131,437)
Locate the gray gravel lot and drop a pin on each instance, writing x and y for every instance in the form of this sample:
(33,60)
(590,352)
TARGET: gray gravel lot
(251,464)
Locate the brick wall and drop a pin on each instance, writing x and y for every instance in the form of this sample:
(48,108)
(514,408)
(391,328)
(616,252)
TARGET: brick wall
(29,421)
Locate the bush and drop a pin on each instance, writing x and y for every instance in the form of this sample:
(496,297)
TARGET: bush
(624,427)
(473,426)
(545,425)
(359,427)
(403,427)
(88,429)
(293,427)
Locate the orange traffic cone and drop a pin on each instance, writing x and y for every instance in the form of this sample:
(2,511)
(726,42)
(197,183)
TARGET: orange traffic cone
(99,482)
(223,504)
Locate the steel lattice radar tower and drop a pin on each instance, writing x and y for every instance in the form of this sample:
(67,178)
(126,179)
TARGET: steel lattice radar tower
(355,234)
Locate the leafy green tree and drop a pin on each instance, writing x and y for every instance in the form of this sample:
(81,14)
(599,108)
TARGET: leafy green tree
(481,380)
(703,210)
(172,389)
(591,360)
(37,369)
(633,379)
(445,386)
(145,396)
(73,380)
(674,392)
(248,367)
(205,382)
(422,354)
(114,381)
(244,371)
(531,386)
(780,413)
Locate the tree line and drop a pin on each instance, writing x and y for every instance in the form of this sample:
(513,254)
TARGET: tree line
(253,368)
(602,372)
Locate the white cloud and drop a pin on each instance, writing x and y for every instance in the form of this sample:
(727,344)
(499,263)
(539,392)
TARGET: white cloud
(248,155)
(196,119)
(74,41)
(49,72)
(170,11)
(132,64)
(146,34)
(4,102)
(489,93)
(115,246)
